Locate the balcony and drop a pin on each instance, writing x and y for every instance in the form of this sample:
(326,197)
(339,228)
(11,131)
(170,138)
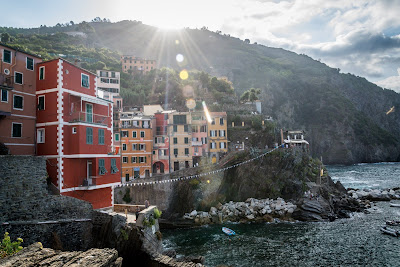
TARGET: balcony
(88,118)
(126,125)
(6,82)
(197,143)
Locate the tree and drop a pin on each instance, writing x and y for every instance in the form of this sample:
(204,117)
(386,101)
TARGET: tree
(250,95)
(247,41)
(5,37)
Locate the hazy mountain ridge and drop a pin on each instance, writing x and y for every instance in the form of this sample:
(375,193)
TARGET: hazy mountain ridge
(344,115)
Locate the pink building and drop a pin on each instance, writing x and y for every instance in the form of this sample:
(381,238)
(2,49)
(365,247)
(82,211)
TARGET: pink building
(199,137)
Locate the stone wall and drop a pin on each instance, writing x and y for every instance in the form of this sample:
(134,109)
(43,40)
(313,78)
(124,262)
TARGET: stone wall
(29,211)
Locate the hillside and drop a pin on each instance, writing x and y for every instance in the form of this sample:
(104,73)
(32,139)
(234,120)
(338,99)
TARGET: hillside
(344,116)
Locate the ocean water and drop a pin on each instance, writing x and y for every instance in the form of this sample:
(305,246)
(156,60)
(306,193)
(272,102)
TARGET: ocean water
(347,242)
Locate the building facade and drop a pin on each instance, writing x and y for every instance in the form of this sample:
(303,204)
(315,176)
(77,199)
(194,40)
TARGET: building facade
(180,140)
(217,134)
(161,154)
(199,137)
(136,145)
(74,133)
(132,64)
(18,100)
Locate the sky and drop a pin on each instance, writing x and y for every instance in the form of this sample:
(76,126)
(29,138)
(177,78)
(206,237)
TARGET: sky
(361,37)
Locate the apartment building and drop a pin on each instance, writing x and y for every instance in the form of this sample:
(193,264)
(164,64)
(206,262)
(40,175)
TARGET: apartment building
(217,130)
(180,136)
(199,137)
(74,133)
(136,145)
(132,64)
(161,154)
(18,100)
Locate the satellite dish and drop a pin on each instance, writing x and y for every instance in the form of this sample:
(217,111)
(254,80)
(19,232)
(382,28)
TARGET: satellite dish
(6,71)
(190,103)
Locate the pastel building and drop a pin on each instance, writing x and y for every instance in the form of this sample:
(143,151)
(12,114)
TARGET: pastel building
(18,100)
(136,145)
(74,132)
(132,64)
(161,154)
(217,135)
(180,140)
(199,137)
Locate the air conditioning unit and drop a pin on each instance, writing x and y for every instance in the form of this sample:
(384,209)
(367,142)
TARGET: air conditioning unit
(6,71)
(196,153)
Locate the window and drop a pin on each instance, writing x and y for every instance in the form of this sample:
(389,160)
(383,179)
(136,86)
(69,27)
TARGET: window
(85,80)
(134,135)
(7,56)
(142,160)
(175,128)
(179,119)
(204,140)
(133,159)
(117,137)
(124,147)
(29,63)
(213,121)
(175,140)
(213,145)
(203,129)
(134,147)
(41,73)
(18,102)
(101,136)
(16,129)
(114,168)
(185,128)
(89,112)
(40,136)
(89,135)
(175,151)
(18,78)
(222,133)
(165,117)
(186,140)
(41,102)
(221,121)
(4,95)
(213,133)
(141,134)
(196,149)
(186,151)
(142,147)
(102,169)
(124,134)
(124,159)
(222,145)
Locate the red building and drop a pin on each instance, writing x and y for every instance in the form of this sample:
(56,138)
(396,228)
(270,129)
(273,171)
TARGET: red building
(75,132)
(17,100)
(161,144)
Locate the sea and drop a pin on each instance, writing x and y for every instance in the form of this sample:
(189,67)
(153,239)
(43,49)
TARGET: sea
(356,241)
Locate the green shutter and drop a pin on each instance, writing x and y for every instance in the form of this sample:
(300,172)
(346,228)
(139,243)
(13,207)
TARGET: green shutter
(101,136)
(114,168)
(89,136)
(102,169)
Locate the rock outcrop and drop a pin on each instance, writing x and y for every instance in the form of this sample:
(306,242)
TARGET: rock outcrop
(35,255)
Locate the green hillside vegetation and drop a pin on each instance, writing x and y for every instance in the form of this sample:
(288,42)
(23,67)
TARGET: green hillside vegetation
(344,116)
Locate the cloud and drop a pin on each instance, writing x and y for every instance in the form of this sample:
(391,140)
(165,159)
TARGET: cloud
(392,82)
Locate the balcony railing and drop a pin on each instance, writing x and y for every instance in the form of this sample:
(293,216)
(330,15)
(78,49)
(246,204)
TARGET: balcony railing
(125,126)
(89,182)
(197,143)
(88,118)
(6,82)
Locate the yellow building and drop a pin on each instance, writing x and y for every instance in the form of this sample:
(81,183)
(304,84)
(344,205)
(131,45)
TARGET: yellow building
(137,65)
(136,145)
(180,140)
(217,135)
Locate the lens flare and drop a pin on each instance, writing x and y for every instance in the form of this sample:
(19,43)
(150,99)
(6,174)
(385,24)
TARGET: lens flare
(179,58)
(176,42)
(184,74)
(208,181)
(206,112)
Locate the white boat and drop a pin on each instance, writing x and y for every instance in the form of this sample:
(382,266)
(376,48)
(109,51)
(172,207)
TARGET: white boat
(394,205)
(389,231)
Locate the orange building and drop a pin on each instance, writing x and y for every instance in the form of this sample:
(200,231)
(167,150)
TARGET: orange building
(136,145)
(137,65)
(18,100)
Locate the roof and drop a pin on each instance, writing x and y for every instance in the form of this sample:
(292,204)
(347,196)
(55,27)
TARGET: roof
(20,50)
(69,63)
(152,109)
(295,142)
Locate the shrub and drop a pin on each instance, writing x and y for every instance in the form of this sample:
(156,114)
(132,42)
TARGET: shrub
(8,248)
(159,235)
(127,197)
(157,213)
